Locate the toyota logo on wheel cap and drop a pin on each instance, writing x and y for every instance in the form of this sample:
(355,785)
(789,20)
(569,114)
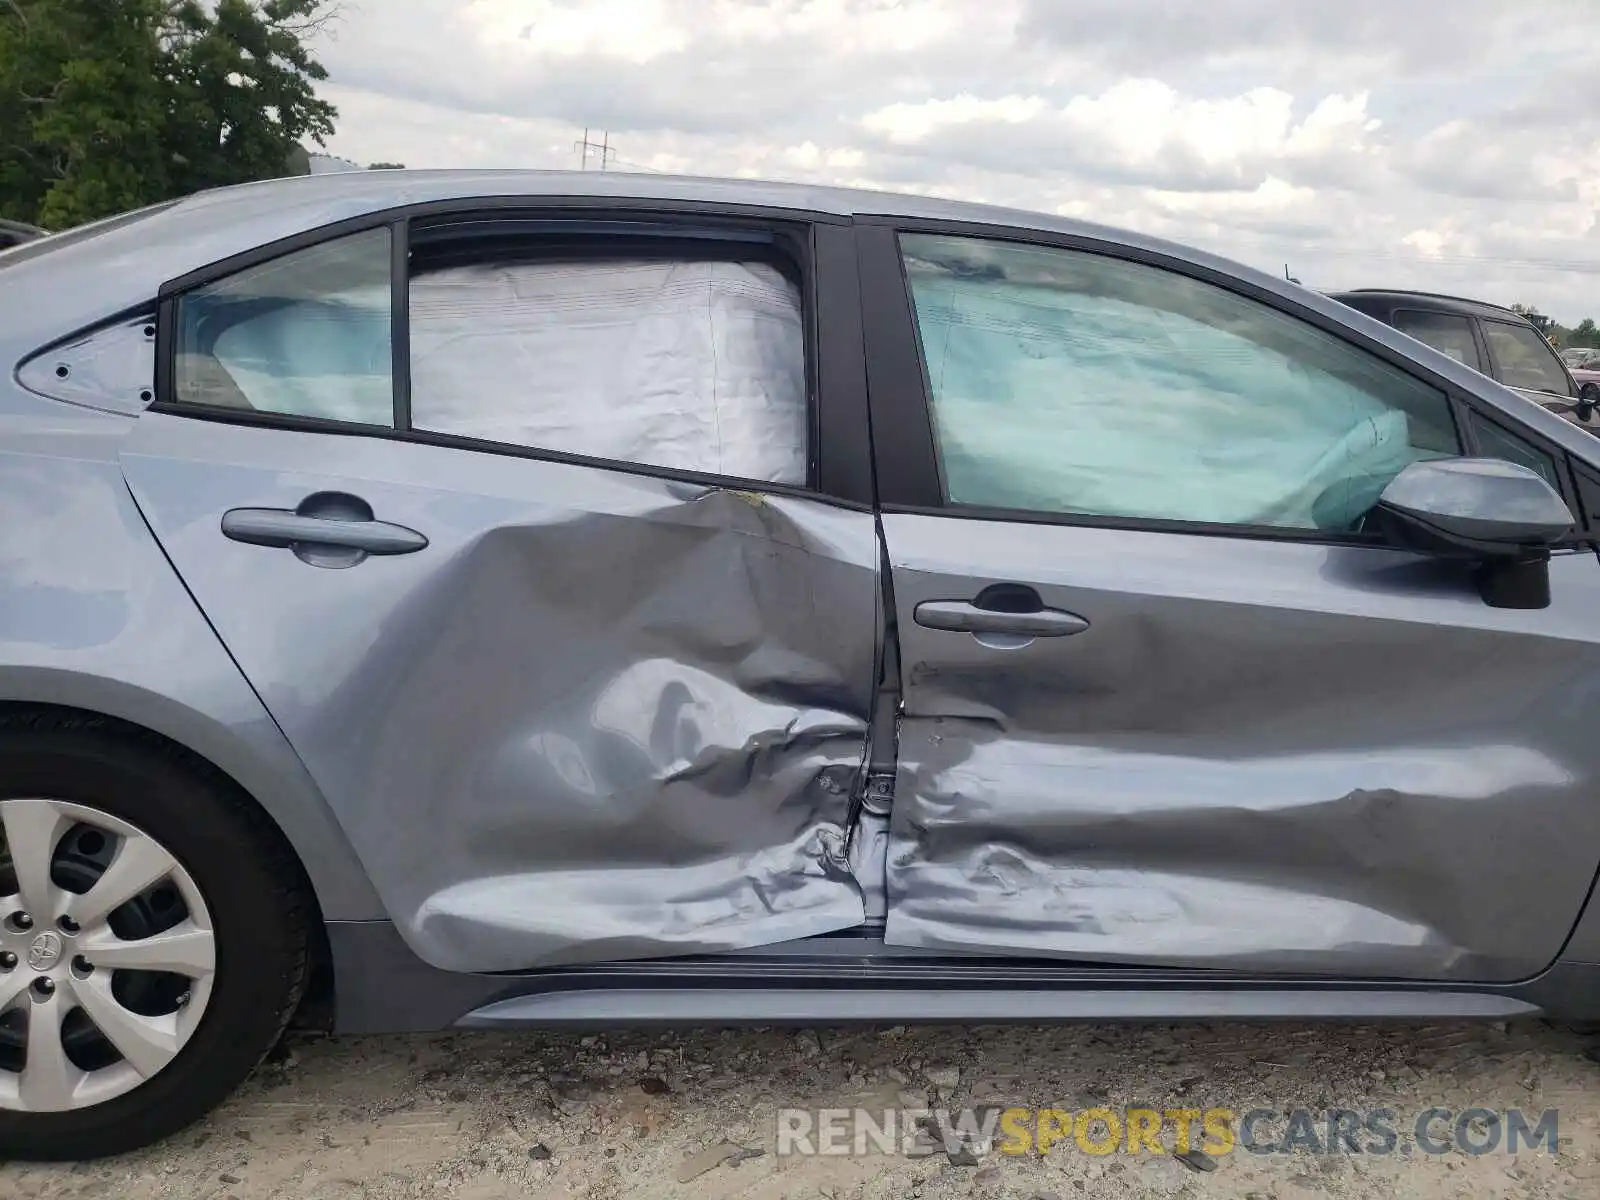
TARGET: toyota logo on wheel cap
(44,951)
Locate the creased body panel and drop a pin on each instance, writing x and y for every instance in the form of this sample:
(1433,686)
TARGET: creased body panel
(600,716)
(1260,755)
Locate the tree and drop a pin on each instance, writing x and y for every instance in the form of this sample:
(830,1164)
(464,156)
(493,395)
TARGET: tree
(386,166)
(107,105)
(1585,333)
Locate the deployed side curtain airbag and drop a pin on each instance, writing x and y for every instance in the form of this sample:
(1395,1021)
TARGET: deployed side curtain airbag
(1072,384)
(326,358)
(690,365)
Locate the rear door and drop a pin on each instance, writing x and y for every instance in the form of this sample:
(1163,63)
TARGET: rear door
(547,541)
(1164,700)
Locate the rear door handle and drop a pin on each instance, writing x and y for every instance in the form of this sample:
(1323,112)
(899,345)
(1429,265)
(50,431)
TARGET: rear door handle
(961,616)
(328,529)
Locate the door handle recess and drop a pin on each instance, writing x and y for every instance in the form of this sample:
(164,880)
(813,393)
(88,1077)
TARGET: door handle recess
(961,616)
(328,529)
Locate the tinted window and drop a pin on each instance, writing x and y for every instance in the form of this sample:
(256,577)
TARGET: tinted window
(305,335)
(1445,332)
(1070,382)
(696,365)
(1497,442)
(1524,358)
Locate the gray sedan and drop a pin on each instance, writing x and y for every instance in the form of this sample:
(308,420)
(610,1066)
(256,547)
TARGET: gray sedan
(529,600)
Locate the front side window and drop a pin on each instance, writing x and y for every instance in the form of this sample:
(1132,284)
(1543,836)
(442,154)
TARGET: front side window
(1525,359)
(696,364)
(1445,332)
(1496,442)
(1068,382)
(304,335)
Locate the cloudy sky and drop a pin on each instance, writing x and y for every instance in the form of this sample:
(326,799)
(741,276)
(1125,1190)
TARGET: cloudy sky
(1447,144)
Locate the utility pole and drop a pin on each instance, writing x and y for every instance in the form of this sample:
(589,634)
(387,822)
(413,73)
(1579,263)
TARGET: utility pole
(583,148)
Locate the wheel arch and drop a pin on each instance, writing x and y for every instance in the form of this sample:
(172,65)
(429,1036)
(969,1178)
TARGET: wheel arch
(216,754)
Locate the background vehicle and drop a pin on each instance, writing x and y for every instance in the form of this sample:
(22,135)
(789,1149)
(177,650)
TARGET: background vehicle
(478,600)
(1503,344)
(1586,374)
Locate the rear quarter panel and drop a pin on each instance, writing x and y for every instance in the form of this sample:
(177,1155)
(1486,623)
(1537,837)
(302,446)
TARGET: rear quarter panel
(92,616)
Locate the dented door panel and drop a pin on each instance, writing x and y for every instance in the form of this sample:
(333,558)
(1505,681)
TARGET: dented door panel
(600,716)
(1258,755)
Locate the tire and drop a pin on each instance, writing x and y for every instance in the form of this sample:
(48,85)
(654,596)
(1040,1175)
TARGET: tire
(254,901)
(1590,392)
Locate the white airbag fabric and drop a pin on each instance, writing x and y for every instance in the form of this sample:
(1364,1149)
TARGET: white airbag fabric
(693,366)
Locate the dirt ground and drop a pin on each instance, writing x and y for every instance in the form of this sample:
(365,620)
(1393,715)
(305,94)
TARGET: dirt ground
(696,1114)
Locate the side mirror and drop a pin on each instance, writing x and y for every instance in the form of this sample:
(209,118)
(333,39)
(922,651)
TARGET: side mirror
(1500,516)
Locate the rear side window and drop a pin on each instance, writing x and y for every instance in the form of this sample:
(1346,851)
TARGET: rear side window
(1075,383)
(1525,359)
(694,364)
(305,335)
(1445,332)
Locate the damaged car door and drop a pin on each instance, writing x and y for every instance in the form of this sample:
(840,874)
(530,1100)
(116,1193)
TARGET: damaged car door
(520,526)
(1167,697)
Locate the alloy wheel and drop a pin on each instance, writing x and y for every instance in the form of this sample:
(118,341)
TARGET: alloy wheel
(107,956)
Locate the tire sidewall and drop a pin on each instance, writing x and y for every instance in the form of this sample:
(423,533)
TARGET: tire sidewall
(259,956)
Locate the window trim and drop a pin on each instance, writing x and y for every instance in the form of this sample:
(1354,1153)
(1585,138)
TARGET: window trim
(901,397)
(839,462)
(1472,330)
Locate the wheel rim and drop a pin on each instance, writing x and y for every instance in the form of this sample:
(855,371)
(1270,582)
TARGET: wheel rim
(107,956)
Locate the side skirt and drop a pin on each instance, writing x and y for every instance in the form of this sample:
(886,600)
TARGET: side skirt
(382,987)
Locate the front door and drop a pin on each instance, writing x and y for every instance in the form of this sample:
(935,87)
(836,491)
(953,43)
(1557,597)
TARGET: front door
(1164,701)
(565,630)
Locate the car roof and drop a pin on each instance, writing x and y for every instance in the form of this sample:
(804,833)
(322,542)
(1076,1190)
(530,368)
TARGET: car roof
(321,198)
(1432,301)
(94,277)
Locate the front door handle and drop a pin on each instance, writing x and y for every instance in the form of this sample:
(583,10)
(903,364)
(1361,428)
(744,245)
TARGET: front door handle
(961,616)
(328,529)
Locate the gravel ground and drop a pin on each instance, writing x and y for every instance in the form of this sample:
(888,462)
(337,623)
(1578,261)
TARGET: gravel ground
(653,1114)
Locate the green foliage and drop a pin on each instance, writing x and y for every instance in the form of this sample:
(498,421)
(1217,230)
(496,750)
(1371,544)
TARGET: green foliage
(386,166)
(107,105)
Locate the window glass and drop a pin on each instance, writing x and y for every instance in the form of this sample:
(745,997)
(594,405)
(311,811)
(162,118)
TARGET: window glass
(306,335)
(1525,359)
(692,365)
(1495,442)
(1076,383)
(1445,332)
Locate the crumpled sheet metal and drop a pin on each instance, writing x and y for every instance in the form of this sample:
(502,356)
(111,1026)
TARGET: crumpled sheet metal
(1261,756)
(601,717)
(701,364)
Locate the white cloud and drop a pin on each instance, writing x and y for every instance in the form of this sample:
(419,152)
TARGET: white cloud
(1363,141)
(911,123)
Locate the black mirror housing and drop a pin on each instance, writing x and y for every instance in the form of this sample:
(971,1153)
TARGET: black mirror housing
(1502,517)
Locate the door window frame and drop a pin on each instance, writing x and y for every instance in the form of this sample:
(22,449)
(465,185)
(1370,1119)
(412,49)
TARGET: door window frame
(840,468)
(907,460)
